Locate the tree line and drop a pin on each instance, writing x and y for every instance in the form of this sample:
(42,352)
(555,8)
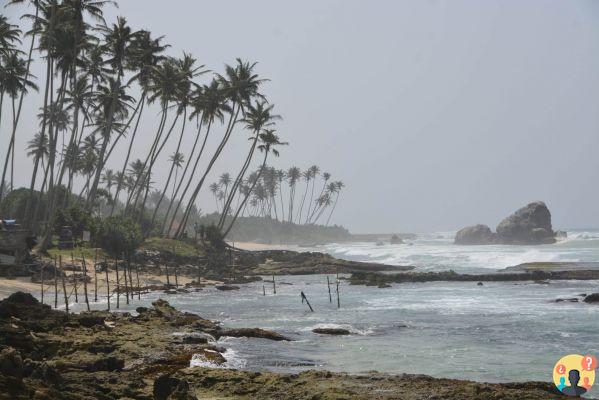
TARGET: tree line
(100,79)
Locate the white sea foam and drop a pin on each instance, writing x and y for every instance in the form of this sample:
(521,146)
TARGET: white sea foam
(233,361)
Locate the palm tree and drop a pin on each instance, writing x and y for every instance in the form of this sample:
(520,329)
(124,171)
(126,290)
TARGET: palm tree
(268,139)
(314,171)
(14,80)
(240,85)
(293,176)
(257,117)
(209,101)
(109,179)
(307,175)
(214,188)
(10,35)
(325,179)
(178,159)
(113,100)
(145,54)
(337,187)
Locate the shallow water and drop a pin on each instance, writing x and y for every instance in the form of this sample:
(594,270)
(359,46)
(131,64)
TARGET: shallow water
(496,332)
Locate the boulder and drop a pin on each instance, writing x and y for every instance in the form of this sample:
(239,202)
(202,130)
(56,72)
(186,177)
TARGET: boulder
(396,240)
(530,224)
(331,331)
(592,298)
(477,234)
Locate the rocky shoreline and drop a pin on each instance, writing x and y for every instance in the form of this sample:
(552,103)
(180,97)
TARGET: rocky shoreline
(48,354)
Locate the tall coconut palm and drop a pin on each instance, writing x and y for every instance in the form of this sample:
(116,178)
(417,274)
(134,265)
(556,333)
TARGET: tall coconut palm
(14,80)
(325,179)
(314,171)
(214,188)
(211,103)
(257,117)
(178,159)
(268,140)
(307,175)
(293,176)
(241,85)
(337,187)
(117,40)
(186,72)
(145,53)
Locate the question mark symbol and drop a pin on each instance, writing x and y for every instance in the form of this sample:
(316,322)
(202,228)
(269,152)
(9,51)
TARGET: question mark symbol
(589,362)
(561,369)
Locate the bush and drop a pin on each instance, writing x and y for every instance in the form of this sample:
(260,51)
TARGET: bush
(76,218)
(118,235)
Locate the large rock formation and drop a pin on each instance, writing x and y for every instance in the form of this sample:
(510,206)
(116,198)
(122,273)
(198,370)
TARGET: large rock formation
(477,234)
(528,225)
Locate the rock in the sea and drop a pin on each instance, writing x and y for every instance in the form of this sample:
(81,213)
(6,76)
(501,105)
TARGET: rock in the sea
(592,298)
(396,240)
(331,331)
(568,300)
(530,224)
(477,234)
(226,287)
(250,332)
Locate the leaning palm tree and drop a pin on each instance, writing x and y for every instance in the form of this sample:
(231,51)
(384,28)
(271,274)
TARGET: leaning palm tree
(268,139)
(307,175)
(241,85)
(338,186)
(314,171)
(325,179)
(257,117)
(14,80)
(293,176)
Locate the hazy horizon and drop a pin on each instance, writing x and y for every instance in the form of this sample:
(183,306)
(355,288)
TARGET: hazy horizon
(435,114)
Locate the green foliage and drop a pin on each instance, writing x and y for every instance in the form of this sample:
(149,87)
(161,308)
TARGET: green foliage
(76,218)
(179,247)
(15,203)
(118,235)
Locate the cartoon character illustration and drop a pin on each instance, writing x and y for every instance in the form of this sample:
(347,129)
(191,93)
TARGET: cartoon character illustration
(574,389)
(562,383)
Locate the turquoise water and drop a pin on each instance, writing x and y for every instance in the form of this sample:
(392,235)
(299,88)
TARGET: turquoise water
(497,332)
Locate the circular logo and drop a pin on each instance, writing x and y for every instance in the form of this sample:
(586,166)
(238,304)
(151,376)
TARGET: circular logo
(574,374)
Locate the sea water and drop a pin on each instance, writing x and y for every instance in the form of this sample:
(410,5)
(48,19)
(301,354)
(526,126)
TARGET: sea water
(498,332)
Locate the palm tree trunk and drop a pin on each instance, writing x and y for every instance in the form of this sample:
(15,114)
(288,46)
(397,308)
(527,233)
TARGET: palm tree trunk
(219,149)
(157,137)
(246,196)
(170,173)
(332,209)
(299,220)
(237,182)
(173,199)
(311,200)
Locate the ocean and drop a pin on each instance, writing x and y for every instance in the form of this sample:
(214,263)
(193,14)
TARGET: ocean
(498,332)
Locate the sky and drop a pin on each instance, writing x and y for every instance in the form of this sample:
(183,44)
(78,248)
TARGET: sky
(435,114)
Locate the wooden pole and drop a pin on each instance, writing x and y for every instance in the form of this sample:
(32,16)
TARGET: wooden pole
(130,277)
(55,284)
(96,276)
(274,285)
(64,286)
(338,303)
(138,287)
(329,285)
(307,302)
(126,287)
(107,284)
(118,284)
(176,278)
(42,278)
(168,280)
(85,281)
(263,290)
(74,278)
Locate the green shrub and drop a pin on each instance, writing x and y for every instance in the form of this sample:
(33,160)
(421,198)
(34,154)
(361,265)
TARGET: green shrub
(118,235)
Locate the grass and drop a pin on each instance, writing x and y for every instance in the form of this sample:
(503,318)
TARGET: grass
(88,253)
(171,245)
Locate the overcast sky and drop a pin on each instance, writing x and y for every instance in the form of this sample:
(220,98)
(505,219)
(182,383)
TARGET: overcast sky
(435,114)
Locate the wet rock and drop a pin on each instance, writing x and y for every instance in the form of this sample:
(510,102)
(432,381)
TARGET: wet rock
(477,234)
(530,224)
(384,286)
(168,387)
(46,373)
(331,331)
(250,333)
(11,363)
(227,287)
(396,240)
(91,319)
(194,339)
(479,284)
(592,298)
(569,300)
(106,364)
